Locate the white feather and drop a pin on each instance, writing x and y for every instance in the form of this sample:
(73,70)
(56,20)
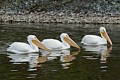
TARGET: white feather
(52,43)
(97,40)
(20,47)
(92,40)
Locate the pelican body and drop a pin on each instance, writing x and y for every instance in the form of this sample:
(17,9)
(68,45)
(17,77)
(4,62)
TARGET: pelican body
(20,47)
(97,40)
(54,44)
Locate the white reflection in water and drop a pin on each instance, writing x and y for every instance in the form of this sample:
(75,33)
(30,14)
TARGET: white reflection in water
(20,58)
(104,53)
(65,56)
(103,50)
(98,49)
(35,60)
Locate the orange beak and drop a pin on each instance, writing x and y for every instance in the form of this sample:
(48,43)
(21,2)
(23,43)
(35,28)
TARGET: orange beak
(71,42)
(107,37)
(40,44)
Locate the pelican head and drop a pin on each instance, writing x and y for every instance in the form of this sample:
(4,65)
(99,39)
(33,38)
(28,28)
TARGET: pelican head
(105,35)
(32,39)
(65,37)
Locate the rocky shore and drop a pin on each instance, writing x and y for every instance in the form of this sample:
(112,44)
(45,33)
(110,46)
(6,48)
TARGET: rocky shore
(51,17)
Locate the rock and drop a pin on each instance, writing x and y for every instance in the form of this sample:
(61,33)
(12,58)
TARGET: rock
(49,17)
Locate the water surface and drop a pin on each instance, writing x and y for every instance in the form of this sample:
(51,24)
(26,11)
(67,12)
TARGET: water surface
(90,63)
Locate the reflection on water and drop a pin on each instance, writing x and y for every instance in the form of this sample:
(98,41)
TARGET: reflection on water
(65,56)
(101,50)
(20,58)
(91,63)
(35,60)
(95,48)
(105,53)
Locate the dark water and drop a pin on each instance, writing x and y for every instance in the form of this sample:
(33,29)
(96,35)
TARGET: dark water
(91,63)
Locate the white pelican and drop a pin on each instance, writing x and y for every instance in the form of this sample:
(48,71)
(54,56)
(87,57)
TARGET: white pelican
(34,43)
(97,40)
(54,44)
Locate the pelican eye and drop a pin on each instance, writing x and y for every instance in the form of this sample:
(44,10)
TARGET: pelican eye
(103,30)
(35,38)
(67,35)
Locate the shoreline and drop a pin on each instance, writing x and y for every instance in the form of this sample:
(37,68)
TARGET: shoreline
(59,18)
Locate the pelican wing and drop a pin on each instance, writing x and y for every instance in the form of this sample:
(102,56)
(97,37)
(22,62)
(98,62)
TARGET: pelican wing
(18,47)
(91,40)
(52,43)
